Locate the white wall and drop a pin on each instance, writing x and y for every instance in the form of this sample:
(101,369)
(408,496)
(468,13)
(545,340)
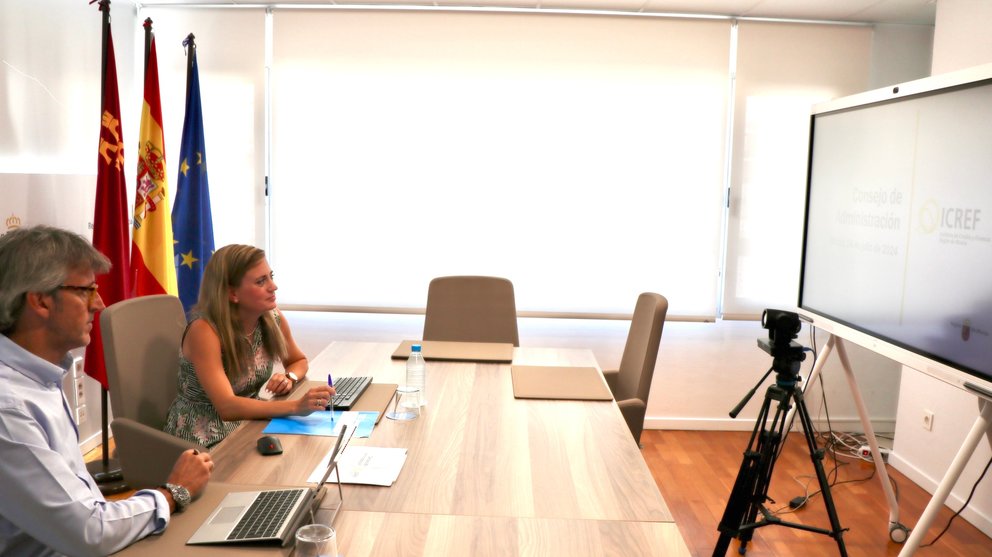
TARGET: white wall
(900,53)
(961,37)
(924,456)
(961,40)
(50,122)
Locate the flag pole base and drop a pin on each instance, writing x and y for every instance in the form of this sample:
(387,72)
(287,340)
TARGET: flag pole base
(113,488)
(105,471)
(108,476)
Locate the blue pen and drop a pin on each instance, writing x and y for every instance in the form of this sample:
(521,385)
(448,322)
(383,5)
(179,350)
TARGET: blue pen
(330,403)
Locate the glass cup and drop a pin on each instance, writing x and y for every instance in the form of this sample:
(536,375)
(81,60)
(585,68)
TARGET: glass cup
(406,404)
(316,540)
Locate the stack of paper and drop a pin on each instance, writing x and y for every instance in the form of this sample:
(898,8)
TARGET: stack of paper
(364,465)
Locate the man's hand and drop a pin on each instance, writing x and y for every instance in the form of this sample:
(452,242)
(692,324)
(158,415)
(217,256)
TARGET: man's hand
(192,471)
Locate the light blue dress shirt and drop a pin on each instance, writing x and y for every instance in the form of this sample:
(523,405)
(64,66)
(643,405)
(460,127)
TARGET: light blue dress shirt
(49,503)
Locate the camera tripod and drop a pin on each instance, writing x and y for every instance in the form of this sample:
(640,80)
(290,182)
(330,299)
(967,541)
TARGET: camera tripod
(747,499)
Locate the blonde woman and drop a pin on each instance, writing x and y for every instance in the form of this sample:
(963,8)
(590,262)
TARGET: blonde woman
(235,335)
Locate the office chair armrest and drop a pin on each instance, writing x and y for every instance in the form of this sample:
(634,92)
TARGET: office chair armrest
(612,376)
(146,454)
(633,410)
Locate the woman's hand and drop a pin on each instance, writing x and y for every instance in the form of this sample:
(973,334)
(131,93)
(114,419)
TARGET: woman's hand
(316,398)
(279,384)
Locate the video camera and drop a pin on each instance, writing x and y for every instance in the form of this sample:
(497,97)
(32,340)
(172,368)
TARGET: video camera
(783,327)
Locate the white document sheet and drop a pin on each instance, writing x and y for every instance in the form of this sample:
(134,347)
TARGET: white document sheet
(364,465)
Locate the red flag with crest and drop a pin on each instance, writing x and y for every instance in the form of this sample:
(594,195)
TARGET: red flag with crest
(110,224)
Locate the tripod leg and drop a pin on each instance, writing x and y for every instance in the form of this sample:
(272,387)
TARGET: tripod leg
(751,484)
(767,451)
(739,503)
(816,455)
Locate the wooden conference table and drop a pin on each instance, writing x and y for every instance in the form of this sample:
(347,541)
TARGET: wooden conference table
(486,474)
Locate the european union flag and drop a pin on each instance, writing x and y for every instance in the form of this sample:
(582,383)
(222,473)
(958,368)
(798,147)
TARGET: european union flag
(192,225)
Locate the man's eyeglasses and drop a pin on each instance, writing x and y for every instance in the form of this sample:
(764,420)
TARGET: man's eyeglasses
(90,291)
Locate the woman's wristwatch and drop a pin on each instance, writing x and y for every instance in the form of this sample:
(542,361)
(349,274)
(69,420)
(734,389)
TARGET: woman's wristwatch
(292,377)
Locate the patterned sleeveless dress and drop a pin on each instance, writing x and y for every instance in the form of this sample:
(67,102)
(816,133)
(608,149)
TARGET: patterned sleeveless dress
(193,417)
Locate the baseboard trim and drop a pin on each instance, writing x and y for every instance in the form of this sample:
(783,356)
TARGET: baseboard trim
(93,441)
(848,424)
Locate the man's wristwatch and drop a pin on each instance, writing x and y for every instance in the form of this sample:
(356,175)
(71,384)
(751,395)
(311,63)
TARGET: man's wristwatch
(180,495)
(292,377)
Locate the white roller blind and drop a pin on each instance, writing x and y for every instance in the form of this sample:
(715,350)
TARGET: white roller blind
(782,70)
(580,157)
(231,60)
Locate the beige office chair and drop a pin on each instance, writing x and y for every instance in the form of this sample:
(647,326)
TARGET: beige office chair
(632,382)
(471,309)
(141,338)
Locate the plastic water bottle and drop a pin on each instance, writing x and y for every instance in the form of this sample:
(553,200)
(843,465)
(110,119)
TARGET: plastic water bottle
(415,368)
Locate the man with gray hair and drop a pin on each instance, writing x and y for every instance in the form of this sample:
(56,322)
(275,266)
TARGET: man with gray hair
(50,505)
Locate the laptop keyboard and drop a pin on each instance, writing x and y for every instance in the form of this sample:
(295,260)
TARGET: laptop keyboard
(348,389)
(265,516)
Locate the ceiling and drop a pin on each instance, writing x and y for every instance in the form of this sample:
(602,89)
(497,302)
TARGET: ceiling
(915,12)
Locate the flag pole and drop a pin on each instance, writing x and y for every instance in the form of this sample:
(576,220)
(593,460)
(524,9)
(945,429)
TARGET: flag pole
(105,14)
(148,42)
(105,472)
(190,53)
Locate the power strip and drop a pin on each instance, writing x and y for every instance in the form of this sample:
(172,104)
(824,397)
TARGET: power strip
(865,452)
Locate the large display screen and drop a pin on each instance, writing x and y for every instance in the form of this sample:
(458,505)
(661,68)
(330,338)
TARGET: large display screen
(898,239)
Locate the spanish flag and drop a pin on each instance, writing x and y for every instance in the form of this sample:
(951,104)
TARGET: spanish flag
(152,268)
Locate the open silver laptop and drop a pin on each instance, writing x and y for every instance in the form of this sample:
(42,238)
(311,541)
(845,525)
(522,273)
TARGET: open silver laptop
(269,516)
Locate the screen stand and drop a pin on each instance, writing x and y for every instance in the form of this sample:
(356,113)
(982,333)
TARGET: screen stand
(897,532)
(981,428)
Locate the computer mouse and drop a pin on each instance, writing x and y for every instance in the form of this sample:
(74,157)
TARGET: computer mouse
(269,445)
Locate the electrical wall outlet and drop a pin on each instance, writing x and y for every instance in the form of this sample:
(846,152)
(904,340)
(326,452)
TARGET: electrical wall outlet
(928,420)
(79,392)
(80,386)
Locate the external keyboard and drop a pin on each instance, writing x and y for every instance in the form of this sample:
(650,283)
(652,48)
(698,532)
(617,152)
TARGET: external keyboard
(347,390)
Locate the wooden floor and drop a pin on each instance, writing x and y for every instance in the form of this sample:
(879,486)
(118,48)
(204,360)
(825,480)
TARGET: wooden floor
(695,471)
